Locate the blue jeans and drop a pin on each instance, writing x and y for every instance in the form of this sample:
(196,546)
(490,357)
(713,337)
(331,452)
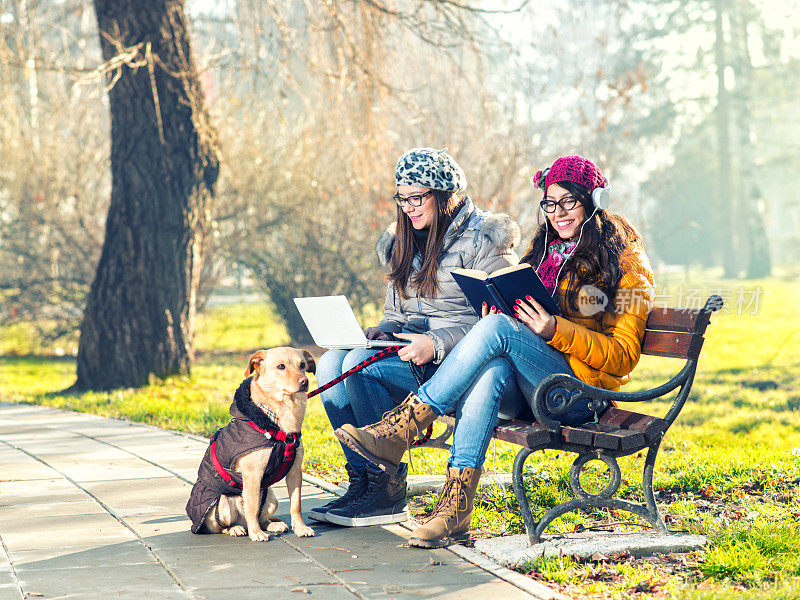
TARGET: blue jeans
(490,372)
(365,396)
(476,378)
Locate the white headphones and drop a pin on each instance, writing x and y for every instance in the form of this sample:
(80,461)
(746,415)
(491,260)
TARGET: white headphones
(601,198)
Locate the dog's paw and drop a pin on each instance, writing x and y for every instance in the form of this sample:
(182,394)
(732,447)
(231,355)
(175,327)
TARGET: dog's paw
(259,536)
(277,527)
(303,531)
(237,531)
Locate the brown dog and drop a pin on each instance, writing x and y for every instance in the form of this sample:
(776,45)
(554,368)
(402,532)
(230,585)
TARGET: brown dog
(251,453)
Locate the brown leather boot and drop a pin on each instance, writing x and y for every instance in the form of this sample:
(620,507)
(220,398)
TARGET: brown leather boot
(453,512)
(385,442)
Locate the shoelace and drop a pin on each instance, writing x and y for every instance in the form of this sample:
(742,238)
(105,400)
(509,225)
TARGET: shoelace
(389,422)
(390,419)
(354,491)
(367,495)
(450,501)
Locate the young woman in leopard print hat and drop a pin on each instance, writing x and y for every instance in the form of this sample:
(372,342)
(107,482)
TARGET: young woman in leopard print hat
(437,228)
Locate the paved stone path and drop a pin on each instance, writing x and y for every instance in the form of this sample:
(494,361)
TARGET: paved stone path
(94,508)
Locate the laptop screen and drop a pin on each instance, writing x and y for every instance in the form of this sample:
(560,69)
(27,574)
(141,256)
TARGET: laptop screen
(331,321)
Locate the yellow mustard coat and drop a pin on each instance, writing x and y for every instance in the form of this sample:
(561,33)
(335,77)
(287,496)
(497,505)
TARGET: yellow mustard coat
(604,353)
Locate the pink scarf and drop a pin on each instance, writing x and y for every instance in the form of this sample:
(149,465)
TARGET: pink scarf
(557,252)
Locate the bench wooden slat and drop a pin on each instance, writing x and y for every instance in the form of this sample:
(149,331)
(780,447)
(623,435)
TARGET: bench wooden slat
(619,438)
(678,319)
(610,440)
(672,344)
(577,435)
(648,425)
(523,433)
(633,439)
(598,435)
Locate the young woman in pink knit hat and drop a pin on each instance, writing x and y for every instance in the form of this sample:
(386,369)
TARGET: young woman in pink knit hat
(594,264)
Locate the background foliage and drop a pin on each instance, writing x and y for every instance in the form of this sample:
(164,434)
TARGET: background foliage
(683,104)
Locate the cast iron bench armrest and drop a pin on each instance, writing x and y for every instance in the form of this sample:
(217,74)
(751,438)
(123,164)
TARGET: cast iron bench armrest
(557,393)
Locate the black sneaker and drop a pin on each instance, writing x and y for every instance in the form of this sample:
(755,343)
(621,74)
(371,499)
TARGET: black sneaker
(383,502)
(358,484)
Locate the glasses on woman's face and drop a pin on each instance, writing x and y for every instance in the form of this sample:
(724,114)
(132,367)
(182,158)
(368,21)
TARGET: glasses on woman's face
(567,203)
(415,200)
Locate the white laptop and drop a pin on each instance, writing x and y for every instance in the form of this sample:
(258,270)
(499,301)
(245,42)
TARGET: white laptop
(333,324)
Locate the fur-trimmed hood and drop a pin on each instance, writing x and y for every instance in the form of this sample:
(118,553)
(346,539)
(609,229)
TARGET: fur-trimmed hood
(243,407)
(498,229)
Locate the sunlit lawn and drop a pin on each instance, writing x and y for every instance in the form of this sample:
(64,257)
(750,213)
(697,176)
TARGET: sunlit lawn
(726,469)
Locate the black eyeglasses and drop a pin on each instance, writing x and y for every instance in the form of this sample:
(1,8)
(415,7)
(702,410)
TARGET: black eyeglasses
(567,203)
(415,200)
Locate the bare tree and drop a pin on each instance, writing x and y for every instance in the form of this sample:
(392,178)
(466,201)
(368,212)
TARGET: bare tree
(305,188)
(139,318)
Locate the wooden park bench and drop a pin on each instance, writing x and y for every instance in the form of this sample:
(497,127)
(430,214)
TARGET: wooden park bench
(670,332)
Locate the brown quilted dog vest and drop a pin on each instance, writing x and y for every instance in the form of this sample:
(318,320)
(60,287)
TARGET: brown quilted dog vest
(249,429)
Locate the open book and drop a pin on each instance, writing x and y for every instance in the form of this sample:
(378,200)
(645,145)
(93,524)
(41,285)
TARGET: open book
(502,288)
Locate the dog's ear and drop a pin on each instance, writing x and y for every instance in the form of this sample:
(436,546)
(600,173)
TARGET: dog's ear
(254,363)
(311,364)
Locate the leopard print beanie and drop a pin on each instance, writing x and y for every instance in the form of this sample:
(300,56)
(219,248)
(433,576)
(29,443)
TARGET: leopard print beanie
(430,168)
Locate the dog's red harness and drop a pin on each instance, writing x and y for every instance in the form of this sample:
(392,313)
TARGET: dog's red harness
(365,363)
(291,442)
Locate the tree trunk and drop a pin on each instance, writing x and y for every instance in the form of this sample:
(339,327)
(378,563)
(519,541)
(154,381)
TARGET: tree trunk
(753,229)
(759,263)
(139,318)
(726,202)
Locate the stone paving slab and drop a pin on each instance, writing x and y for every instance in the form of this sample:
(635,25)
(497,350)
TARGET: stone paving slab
(95,509)
(275,563)
(71,530)
(22,468)
(326,591)
(24,512)
(96,555)
(112,578)
(16,493)
(129,497)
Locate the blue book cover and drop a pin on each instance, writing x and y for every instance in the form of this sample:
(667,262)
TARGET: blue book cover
(478,290)
(502,288)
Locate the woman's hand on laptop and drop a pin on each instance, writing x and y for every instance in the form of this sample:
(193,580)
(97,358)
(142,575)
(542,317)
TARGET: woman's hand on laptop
(373,333)
(420,350)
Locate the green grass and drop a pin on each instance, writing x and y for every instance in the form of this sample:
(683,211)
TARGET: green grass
(726,468)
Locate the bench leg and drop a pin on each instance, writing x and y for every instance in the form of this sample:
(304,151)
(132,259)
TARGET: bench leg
(519,492)
(647,486)
(535,529)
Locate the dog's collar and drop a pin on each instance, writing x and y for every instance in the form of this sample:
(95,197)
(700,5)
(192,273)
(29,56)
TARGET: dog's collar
(271,414)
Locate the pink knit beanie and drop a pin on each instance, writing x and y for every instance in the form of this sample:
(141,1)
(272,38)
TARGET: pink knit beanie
(571,168)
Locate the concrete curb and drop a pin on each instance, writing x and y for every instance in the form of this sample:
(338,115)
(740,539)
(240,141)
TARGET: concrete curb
(515,549)
(527,584)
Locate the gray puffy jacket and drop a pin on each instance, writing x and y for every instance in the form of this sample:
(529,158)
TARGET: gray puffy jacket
(476,239)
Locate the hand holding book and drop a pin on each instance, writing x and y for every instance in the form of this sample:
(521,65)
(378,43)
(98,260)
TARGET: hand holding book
(538,320)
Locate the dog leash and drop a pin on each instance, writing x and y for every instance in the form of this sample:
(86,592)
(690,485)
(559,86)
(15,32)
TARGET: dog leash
(388,351)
